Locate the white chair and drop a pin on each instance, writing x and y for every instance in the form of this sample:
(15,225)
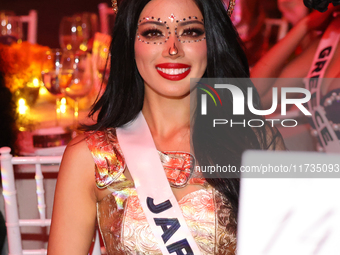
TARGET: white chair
(32,20)
(281,24)
(13,223)
(104,12)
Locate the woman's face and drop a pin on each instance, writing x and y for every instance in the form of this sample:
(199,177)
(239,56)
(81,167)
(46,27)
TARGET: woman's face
(170,46)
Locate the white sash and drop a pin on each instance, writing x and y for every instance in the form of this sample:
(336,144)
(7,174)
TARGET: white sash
(155,195)
(322,58)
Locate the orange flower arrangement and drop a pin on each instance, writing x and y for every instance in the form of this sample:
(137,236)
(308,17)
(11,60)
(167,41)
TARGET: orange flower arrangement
(19,62)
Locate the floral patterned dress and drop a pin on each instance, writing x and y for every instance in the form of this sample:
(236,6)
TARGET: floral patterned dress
(121,220)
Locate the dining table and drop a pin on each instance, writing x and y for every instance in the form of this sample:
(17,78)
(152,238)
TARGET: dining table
(40,121)
(39,132)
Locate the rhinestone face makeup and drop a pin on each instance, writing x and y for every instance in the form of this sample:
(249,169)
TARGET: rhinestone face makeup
(153,30)
(190,30)
(172,17)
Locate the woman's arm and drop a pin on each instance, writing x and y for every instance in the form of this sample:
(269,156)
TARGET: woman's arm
(274,63)
(297,69)
(74,209)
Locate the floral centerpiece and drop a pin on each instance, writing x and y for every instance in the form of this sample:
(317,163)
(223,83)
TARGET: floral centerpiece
(21,65)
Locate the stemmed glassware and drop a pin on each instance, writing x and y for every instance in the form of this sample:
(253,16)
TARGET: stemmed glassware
(10,28)
(101,59)
(79,64)
(102,63)
(74,33)
(55,78)
(70,34)
(89,23)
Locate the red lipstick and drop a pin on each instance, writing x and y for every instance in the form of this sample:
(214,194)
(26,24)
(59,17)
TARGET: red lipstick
(174,72)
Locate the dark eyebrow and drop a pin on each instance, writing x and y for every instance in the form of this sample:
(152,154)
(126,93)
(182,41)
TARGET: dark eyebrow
(152,22)
(183,23)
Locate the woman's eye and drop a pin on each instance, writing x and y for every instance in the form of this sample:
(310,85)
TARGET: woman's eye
(192,32)
(152,33)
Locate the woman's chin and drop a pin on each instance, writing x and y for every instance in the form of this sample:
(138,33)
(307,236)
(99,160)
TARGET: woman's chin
(175,93)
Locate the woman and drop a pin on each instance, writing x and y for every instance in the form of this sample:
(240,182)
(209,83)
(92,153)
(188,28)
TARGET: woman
(274,64)
(157,46)
(293,11)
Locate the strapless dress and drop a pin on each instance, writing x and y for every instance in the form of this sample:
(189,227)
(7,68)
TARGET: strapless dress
(121,220)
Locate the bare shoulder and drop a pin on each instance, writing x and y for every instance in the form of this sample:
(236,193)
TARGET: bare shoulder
(74,209)
(78,164)
(77,147)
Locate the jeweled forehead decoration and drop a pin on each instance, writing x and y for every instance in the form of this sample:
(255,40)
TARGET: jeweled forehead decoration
(168,33)
(172,17)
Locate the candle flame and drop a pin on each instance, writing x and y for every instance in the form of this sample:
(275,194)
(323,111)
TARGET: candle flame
(22,107)
(36,82)
(63,105)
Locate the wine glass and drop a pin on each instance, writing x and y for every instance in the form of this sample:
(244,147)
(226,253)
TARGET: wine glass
(79,64)
(101,59)
(103,63)
(55,78)
(10,29)
(89,24)
(73,33)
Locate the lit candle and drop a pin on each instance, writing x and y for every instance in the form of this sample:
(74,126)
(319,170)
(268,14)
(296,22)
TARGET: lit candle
(22,107)
(34,83)
(63,105)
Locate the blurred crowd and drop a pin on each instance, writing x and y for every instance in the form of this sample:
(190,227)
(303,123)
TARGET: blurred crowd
(254,23)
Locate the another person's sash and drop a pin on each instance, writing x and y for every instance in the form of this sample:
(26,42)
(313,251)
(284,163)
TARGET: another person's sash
(155,195)
(313,81)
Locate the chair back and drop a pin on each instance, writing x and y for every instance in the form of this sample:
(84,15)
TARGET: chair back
(13,222)
(280,24)
(32,25)
(104,13)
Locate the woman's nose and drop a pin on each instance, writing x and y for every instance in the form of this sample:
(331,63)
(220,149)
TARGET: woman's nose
(173,48)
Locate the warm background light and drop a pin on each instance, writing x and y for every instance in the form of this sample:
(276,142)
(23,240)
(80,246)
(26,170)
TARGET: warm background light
(43,91)
(36,82)
(63,105)
(22,107)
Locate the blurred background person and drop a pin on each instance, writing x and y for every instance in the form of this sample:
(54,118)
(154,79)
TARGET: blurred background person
(293,11)
(249,21)
(276,64)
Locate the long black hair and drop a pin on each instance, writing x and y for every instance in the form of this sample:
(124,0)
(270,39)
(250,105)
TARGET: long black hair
(123,97)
